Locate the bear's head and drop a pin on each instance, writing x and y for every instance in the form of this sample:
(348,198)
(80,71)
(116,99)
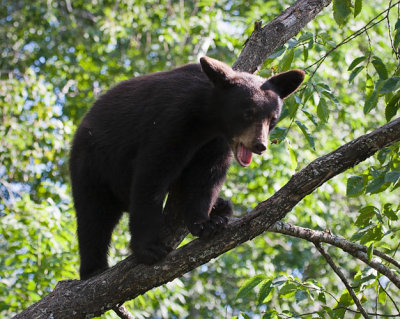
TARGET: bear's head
(248,105)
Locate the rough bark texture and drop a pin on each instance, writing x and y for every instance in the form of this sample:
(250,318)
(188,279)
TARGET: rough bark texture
(264,41)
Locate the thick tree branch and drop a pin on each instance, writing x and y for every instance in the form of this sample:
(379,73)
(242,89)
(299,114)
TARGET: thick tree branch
(264,41)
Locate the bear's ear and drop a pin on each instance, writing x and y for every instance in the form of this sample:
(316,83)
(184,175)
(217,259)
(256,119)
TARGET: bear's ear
(286,83)
(218,72)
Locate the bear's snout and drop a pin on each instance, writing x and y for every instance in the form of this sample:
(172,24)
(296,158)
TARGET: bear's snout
(259,147)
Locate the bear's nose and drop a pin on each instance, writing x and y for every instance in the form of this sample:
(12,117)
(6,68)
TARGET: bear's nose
(259,147)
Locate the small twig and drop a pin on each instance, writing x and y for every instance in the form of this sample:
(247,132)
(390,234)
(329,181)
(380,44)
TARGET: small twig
(376,301)
(390,297)
(343,278)
(370,313)
(390,32)
(395,251)
(357,33)
(122,312)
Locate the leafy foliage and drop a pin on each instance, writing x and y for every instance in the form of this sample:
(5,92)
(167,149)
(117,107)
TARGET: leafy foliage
(58,56)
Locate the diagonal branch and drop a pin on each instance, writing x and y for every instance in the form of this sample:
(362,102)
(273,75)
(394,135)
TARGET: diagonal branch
(264,41)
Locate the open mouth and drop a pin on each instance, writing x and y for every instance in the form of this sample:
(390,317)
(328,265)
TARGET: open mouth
(243,155)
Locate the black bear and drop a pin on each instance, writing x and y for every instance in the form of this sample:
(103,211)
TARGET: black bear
(172,133)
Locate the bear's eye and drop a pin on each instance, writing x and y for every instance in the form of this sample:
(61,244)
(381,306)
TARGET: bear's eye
(273,123)
(248,115)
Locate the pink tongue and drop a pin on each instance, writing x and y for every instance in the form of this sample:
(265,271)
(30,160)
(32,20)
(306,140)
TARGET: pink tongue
(244,155)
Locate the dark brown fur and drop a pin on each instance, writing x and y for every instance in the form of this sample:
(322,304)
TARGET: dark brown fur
(168,132)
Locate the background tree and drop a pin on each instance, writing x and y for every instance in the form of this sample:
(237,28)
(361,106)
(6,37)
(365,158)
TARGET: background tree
(58,56)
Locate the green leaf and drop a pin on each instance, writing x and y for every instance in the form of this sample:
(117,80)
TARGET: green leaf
(293,157)
(382,296)
(249,285)
(323,110)
(392,106)
(277,53)
(374,233)
(396,40)
(355,73)
(380,68)
(366,214)
(279,134)
(271,314)
(371,102)
(382,154)
(355,186)
(374,186)
(337,313)
(288,290)
(265,293)
(392,177)
(310,116)
(287,60)
(292,104)
(300,295)
(245,315)
(390,85)
(357,7)
(279,281)
(307,134)
(305,53)
(370,251)
(345,299)
(341,11)
(330,96)
(361,232)
(322,297)
(356,62)
(389,213)
(397,25)
(305,36)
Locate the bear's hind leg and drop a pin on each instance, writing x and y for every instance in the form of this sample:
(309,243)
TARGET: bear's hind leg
(97,215)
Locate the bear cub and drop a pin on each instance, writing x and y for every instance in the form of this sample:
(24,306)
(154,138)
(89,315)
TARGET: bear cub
(173,133)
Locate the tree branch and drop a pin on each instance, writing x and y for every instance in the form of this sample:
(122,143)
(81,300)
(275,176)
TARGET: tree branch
(356,250)
(264,41)
(343,278)
(326,237)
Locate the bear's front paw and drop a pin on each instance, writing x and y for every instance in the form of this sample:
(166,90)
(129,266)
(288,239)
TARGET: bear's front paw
(150,253)
(223,208)
(210,227)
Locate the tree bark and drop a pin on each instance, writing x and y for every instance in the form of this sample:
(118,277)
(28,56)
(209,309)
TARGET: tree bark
(264,41)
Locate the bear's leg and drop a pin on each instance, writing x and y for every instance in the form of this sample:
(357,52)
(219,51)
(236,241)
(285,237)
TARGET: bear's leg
(146,219)
(198,187)
(97,215)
